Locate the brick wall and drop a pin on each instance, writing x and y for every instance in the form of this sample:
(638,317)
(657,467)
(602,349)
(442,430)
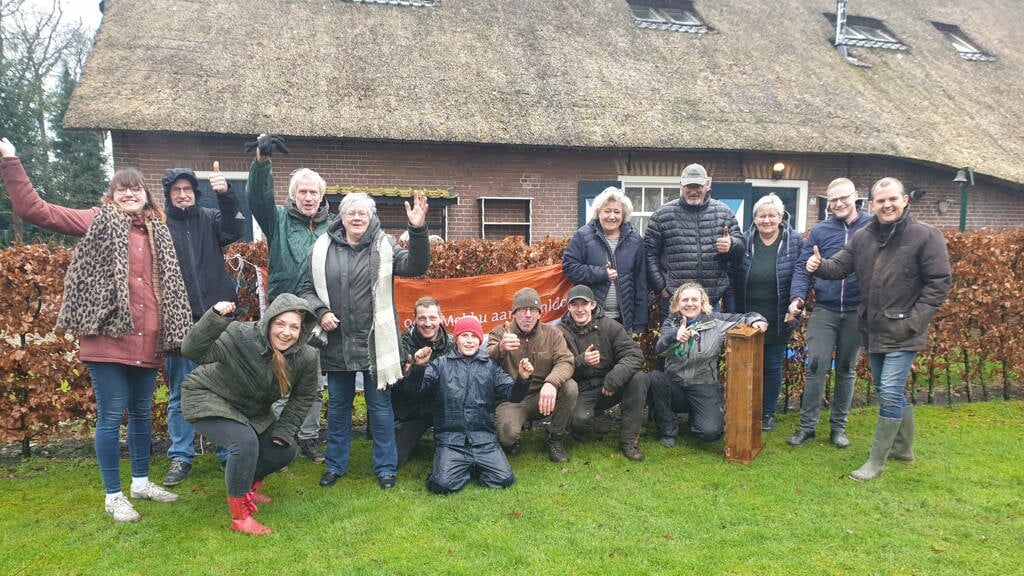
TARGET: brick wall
(551,176)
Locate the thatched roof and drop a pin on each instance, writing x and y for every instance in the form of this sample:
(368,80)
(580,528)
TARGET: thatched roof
(578,74)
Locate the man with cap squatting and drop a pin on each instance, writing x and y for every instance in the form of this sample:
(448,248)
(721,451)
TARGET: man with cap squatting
(467,383)
(609,369)
(552,390)
(199,235)
(693,238)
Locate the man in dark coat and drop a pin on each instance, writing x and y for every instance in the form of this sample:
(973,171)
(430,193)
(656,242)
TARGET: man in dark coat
(692,239)
(609,369)
(414,413)
(199,235)
(904,273)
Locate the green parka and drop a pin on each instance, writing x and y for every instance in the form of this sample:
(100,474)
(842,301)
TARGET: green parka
(289,232)
(235,379)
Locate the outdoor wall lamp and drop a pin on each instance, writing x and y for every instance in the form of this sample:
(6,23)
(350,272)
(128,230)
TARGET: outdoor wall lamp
(964,177)
(777,169)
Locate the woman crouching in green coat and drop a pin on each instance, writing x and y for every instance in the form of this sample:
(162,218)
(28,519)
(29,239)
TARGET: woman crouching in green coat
(244,368)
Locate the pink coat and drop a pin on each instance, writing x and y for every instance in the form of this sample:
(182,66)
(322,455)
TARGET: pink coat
(137,348)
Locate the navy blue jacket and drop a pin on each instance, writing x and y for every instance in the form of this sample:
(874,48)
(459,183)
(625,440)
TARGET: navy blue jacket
(790,245)
(830,236)
(467,390)
(585,262)
(199,236)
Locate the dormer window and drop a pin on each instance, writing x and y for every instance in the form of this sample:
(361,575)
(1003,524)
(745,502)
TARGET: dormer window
(866,33)
(964,46)
(406,3)
(675,15)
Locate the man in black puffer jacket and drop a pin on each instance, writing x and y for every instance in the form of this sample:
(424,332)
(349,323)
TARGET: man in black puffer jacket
(200,235)
(692,239)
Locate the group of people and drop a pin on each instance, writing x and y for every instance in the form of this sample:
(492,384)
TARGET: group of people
(147,287)
(696,259)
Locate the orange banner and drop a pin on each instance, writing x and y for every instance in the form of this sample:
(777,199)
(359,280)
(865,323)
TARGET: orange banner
(489,298)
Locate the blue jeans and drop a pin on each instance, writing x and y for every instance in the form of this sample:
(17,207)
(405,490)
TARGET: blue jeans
(889,372)
(183,435)
(341,389)
(774,357)
(117,387)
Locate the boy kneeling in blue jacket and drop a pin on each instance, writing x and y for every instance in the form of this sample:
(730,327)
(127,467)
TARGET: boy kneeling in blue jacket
(466,384)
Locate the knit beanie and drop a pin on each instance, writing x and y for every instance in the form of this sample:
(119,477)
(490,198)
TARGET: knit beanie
(469,324)
(526,298)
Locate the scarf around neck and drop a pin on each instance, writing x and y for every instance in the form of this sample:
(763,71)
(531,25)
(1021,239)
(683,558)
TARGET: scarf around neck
(96,296)
(386,358)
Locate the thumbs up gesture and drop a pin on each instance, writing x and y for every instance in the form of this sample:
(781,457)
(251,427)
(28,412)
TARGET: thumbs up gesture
(217,180)
(814,261)
(509,340)
(613,274)
(591,356)
(724,242)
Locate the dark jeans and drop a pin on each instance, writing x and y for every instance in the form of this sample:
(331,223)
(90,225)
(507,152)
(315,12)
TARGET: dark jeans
(119,387)
(250,455)
(703,402)
(633,396)
(453,464)
(830,333)
(407,435)
(774,359)
(511,416)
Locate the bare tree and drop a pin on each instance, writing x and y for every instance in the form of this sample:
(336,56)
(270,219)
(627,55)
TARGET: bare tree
(34,41)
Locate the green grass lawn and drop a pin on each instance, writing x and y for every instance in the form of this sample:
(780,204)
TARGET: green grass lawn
(959,509)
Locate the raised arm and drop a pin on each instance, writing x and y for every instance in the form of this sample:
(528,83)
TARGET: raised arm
(27,204)
(203,342)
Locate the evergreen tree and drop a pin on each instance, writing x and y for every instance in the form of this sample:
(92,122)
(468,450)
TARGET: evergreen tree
(79,162)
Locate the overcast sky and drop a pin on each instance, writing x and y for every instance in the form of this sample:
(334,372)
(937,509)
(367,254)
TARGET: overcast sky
(88,11)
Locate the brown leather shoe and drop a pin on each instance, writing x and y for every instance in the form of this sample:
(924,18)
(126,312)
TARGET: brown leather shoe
(631,451)
(556,450)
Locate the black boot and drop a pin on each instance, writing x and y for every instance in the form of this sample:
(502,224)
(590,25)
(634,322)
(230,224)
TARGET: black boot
(556,449)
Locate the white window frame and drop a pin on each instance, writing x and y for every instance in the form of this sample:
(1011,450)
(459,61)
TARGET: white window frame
(961,44)
(865,32)
(801,197)
(647,181)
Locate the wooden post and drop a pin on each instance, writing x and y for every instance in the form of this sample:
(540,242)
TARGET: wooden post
(744,359)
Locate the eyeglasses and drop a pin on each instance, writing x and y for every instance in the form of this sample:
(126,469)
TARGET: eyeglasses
(134,190)
(182,190)
(357,214)
(841,199)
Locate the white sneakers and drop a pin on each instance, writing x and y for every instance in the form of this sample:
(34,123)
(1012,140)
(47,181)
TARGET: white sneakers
(121,510)
(153,492)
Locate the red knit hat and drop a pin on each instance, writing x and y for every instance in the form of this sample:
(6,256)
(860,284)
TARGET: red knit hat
(469,324)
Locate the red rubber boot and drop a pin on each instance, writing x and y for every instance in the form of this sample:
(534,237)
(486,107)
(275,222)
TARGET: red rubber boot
(256,496)
(241,516)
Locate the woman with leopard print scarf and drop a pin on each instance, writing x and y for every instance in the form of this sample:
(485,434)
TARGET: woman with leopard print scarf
(125,300)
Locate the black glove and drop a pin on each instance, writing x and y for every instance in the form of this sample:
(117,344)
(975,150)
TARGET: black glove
(266,144)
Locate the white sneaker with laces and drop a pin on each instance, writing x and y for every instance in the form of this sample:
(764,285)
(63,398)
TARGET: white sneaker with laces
(121,510)
(154,492)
